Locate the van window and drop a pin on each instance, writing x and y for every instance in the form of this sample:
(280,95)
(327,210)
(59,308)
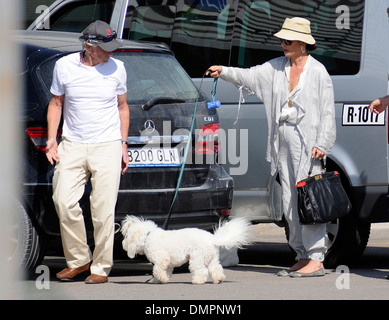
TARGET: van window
(336,26)
(153,23)
(150,21)
(241,33)
(76,17)
(202,34)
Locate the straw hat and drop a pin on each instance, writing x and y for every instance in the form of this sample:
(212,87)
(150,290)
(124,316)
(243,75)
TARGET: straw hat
(296,29)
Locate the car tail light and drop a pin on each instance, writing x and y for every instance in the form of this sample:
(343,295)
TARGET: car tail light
(225,212)
(208,141)
(38,135)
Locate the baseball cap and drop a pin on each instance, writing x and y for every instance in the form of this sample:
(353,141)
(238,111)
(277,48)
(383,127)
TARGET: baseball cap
(100,33)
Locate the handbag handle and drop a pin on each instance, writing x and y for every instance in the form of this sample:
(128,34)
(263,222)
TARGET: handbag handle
(323,166)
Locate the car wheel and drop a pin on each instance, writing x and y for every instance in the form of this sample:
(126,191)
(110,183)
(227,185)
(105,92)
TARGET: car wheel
(348,236)
(346,240)
(28,241)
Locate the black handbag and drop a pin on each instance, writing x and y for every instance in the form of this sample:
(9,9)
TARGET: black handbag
(321,198)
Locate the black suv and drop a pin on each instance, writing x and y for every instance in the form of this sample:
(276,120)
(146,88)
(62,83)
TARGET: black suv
(162,99)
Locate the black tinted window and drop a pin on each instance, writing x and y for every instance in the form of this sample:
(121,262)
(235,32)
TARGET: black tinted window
(241,33)
(77,16)
(336,26)
(198,32)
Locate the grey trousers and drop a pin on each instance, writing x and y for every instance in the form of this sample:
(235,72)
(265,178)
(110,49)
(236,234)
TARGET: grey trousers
(309,241)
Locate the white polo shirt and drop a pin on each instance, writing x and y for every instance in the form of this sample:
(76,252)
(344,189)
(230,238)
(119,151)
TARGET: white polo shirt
(90,111)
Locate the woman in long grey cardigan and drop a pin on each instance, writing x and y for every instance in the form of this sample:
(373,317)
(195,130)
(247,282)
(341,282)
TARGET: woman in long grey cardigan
(298,96)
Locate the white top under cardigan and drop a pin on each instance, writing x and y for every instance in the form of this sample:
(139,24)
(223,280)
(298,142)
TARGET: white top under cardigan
(313,98)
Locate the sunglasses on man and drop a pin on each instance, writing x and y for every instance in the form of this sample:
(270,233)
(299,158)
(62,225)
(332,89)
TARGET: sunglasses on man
(109,38)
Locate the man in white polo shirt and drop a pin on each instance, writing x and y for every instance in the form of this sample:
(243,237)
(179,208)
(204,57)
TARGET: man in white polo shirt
(90,87)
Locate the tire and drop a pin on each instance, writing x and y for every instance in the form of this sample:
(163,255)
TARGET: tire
(348,236)
(28,241)
(346,239)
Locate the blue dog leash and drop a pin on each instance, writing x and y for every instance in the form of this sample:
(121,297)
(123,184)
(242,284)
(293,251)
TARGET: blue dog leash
(214,103)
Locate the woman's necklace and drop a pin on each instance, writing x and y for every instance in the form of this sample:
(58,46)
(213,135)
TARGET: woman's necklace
(302,60)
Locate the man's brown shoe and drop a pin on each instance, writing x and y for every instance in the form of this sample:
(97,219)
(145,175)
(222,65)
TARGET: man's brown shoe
(70,273)
(95,278)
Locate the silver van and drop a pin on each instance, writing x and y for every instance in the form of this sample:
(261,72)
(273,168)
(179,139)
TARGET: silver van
(353,44)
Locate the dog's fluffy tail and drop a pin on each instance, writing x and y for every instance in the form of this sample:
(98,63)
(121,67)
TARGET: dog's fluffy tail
(236,233)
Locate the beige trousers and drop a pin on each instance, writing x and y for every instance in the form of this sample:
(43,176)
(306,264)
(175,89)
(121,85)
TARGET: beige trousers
(101,162)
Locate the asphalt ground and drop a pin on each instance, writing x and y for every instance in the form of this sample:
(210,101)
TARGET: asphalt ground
(254,278)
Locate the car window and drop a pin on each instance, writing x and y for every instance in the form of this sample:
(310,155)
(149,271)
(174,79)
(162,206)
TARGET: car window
(241,33)
(45,71)
(154,75)
(149,75)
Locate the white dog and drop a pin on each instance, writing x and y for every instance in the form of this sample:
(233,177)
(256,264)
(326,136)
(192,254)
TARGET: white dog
(169,249)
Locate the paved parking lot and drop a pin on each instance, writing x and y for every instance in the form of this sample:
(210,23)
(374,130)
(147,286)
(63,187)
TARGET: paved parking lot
(254,277)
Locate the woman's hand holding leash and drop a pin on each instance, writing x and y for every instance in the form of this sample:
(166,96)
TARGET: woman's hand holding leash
(214,71)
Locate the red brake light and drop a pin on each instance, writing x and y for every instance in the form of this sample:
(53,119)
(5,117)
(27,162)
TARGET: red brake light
(225,212)
(208,141)
(38,135)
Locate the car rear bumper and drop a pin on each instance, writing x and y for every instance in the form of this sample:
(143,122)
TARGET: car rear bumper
(199,206)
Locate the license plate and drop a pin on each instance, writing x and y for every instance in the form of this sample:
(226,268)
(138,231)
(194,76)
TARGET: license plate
(360,115)
(153,157)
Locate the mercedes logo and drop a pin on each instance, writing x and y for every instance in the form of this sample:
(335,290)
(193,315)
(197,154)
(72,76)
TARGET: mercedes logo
(149,126)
